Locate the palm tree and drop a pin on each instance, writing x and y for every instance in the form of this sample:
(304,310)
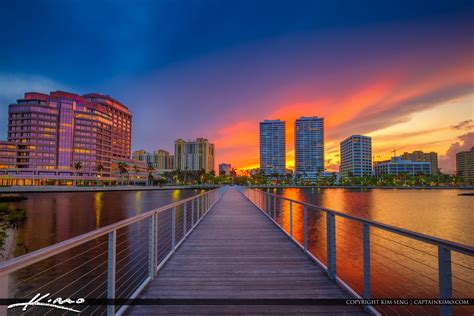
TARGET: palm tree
(233,174)
(185,174)
(77,166)
(150,168)
(135,170)
(99,169)
(122,169)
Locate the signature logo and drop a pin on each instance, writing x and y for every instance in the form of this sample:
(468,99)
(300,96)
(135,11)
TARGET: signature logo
(57,303)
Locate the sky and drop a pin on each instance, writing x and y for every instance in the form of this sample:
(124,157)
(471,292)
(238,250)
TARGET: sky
(401,72)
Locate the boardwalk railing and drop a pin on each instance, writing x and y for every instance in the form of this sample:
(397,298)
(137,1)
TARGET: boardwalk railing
(281,210)
(115,261)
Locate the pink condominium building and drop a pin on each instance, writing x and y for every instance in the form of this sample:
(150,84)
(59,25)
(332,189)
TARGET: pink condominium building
(63,135)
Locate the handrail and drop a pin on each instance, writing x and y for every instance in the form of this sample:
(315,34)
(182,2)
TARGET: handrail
(465,249)
(17,263)
(185,217)
(267,203)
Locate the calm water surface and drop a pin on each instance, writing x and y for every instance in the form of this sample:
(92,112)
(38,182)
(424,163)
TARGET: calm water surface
(440,213)
(400,267)
(81,272)
(54,217)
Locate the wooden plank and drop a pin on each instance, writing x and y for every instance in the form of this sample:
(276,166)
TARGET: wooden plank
(238,253)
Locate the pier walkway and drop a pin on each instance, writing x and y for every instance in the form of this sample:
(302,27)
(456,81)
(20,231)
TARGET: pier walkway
(237,253)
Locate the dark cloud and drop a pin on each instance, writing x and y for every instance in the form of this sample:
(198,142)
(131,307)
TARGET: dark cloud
(380,117)
(464,125)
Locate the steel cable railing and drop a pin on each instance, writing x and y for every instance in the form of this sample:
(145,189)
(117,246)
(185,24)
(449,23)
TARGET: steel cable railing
(120,259)
(24,280)
(329,236)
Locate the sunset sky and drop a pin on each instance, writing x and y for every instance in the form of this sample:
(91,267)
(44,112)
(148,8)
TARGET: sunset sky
(399,71)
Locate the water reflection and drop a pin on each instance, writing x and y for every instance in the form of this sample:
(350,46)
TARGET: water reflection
(400,267)
(98,208)
(82,271)
(54,217)
(176,195)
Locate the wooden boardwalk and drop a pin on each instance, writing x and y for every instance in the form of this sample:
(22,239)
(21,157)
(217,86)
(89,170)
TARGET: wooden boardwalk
(238,253)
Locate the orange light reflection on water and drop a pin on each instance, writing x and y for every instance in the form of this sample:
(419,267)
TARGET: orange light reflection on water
(400,266)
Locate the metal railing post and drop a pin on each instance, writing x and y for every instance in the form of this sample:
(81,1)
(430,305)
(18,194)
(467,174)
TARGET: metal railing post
(173,228)
(305,228)
(184,219)
(199,206)
(291,219)
(3,292)
(203,205)
(281,214)
(151,246)
(274,208)
(201,199)
(157,246)
(111,261)
(445,279)
(366,254)
(192,212)
(269,204)
(331,245)
(265,202)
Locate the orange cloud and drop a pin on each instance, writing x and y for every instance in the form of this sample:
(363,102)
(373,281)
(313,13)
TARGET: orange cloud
(373,104)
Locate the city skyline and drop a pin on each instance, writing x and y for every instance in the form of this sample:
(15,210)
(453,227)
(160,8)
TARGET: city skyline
(374,69)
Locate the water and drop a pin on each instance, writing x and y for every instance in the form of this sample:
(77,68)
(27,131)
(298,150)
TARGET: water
(400,267)
(81,272)
(54,217)
(439,213)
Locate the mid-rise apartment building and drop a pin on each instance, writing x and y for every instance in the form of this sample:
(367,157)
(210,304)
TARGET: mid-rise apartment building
(194,155)
(422,156)
(397,165)
(160,159)
(61,135)
(465,165)
(356,156)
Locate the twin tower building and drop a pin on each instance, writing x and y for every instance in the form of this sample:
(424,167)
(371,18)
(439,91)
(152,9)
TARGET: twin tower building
(309,147)
(356,150)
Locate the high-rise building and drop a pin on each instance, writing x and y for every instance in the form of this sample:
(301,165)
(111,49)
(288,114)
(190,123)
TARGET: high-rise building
(172,163)
(121,123)
(63,134)
(8,152)
(465,165)
(397,165)
(179,154)
(194,155)
(148,158)
(309,146)
(422,156)
(356,156)
(272,147)
(225,168)
(159,160)
(162,158)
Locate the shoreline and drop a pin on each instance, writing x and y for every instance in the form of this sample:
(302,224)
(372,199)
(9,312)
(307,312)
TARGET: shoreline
(64,189)
(359,187)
